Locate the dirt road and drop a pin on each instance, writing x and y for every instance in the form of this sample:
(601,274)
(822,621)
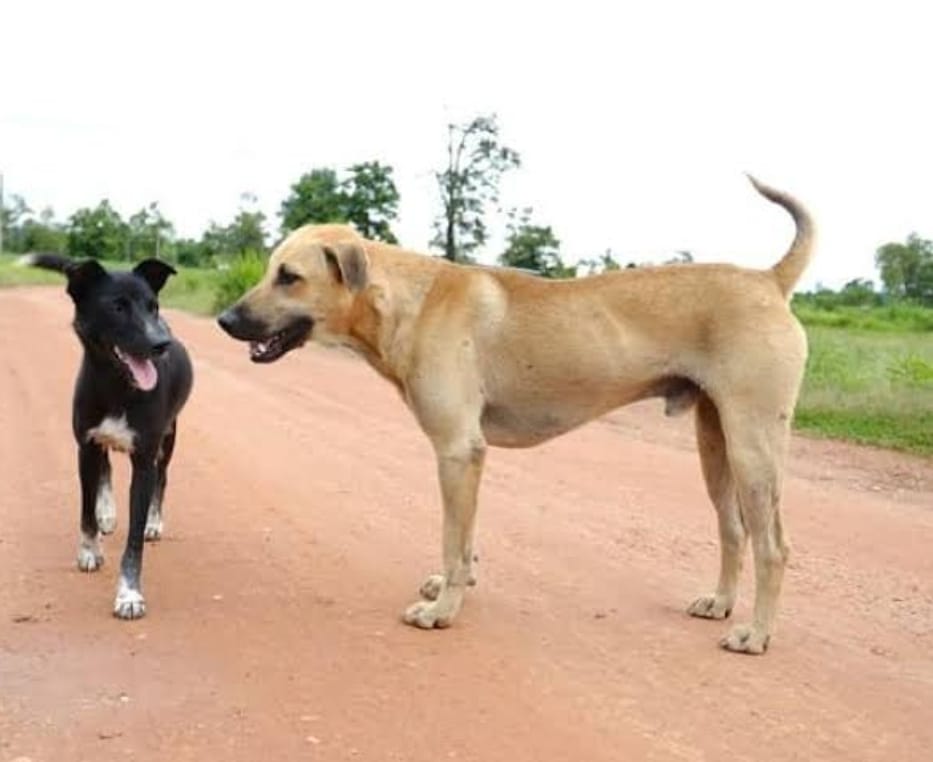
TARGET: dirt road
(303,514)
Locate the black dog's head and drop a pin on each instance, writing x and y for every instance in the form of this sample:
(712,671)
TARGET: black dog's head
(117,316)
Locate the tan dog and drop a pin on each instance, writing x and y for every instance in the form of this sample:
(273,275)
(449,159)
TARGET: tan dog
(487,356)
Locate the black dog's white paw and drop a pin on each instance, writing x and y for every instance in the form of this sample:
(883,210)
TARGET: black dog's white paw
(129,603)
(90,556)
(153,529)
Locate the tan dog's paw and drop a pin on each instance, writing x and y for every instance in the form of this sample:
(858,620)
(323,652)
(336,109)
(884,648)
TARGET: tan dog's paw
(746,639)
(427,615)
(710,607)
(431,588)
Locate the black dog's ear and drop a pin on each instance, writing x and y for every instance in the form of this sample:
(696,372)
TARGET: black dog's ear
(155,272)
(82,276)
(347,262)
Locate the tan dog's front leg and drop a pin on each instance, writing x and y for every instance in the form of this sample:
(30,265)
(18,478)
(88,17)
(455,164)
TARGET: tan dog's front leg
(460,468)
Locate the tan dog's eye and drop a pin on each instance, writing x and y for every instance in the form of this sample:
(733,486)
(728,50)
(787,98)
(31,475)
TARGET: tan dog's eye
(285,277)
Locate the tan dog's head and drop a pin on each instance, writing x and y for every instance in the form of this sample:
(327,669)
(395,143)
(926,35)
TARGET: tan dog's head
(307,292)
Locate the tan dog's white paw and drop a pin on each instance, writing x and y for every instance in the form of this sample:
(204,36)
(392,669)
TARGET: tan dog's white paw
(432,586)
(710,607)
(427,615)
(746,639)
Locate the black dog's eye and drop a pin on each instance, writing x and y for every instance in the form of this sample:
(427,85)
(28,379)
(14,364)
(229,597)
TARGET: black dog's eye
(121,305)
(285,277)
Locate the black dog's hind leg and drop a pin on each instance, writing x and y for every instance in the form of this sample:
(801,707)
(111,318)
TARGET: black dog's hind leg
(91,463)
(106,507)
(154,519)
(129,603)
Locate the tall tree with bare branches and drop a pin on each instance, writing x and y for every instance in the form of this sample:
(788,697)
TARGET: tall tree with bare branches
(476,160)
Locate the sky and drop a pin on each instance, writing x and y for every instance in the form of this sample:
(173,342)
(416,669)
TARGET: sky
(635,121)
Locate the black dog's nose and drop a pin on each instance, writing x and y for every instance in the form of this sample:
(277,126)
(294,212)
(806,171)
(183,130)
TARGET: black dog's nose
(159,347)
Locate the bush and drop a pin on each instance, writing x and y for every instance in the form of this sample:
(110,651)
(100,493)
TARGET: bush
(892,317)
(241,275)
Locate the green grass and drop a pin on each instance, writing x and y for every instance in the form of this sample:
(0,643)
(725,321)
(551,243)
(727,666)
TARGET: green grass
(889,318)
(192,290)
(12,274)
(869,387)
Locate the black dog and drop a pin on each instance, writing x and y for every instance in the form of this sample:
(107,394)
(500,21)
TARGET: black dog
(133,382)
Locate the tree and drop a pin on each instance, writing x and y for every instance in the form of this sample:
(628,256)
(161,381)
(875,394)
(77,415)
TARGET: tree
(23,231)
(11,217)
(366,198)
(859,292)
(244,235)
(475,163)
(316,197)
(43,234)
(604,263)
(148,231)
(246,232)
(533,247)
(907,268)
(682,257)
(371,200)
(190,253)
(99,233)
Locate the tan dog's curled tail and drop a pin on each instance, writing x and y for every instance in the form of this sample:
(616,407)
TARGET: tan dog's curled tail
(791,266)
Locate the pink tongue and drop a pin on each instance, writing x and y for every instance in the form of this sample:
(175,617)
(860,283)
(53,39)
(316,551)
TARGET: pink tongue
(144,372)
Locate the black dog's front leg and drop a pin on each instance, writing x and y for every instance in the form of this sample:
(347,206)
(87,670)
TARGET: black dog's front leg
(91,459)
(130,603)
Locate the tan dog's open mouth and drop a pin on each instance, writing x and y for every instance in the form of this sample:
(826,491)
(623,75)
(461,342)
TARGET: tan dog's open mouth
(282,342)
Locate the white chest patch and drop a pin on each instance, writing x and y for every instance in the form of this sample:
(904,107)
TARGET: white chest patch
(114,433)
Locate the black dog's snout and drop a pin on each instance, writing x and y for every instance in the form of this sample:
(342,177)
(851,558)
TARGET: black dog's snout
(159,347)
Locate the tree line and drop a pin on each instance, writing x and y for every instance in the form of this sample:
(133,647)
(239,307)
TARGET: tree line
(365,196)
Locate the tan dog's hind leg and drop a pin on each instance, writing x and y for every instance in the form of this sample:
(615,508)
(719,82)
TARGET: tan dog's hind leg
(460,468)
(720,485)
(756,454)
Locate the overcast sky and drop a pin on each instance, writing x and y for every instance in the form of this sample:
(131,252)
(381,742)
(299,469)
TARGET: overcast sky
(635,121)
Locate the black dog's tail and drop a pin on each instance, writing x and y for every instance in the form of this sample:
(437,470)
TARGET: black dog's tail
(55,262)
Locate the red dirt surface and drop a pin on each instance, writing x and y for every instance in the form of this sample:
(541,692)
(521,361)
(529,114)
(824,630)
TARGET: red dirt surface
(302,515)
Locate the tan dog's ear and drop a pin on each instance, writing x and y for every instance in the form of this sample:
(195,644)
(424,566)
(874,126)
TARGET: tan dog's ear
(347,261)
